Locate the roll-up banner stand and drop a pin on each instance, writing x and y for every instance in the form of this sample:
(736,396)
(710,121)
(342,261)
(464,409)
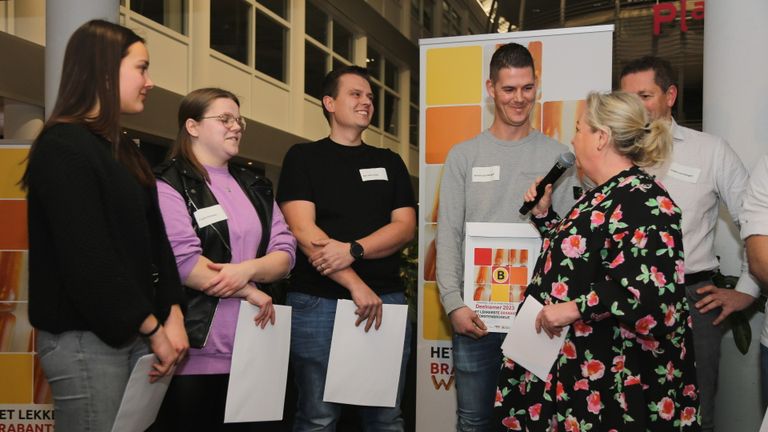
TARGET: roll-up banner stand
(25,397)
(455,107)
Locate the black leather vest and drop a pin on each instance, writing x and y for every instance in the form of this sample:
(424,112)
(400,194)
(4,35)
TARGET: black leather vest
(214,238)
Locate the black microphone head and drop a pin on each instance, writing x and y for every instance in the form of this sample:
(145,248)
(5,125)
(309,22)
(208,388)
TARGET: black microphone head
(567,159)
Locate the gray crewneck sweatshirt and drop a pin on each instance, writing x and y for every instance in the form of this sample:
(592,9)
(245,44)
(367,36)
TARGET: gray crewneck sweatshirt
(484,180)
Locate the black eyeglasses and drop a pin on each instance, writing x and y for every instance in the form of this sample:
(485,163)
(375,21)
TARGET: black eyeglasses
(228,120)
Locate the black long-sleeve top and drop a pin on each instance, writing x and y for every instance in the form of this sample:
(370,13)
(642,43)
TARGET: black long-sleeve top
(96,241)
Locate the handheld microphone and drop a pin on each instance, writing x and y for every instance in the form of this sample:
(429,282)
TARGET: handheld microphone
(563,162)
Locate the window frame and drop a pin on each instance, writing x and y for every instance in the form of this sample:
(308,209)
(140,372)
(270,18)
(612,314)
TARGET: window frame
(285,23)
(327,48)
(384,89)
(250,66)
(185,21)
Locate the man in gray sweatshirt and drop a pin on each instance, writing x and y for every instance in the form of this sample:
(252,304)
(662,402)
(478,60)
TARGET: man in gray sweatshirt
(484,180)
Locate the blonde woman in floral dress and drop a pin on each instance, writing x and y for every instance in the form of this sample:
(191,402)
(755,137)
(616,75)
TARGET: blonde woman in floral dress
(612,269)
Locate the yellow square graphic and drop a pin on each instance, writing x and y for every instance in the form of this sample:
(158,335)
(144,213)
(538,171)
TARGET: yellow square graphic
(17,371)
(500,293)
(455,75)
(434,322)
(12,165)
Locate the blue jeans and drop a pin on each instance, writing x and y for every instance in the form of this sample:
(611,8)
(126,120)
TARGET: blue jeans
(311,331)
(476,365)
(87,377)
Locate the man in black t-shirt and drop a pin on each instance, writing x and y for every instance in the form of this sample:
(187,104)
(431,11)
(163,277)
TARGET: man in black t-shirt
(351,208)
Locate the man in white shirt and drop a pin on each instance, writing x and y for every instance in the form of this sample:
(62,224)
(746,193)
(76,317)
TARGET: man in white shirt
(702,171)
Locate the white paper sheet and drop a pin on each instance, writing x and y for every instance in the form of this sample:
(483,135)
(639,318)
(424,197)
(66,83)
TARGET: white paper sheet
(142,399)
(364,368)
(764,425)
(535,352)
(259,370)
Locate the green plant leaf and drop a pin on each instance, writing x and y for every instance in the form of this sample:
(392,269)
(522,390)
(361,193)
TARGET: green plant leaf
(742,332)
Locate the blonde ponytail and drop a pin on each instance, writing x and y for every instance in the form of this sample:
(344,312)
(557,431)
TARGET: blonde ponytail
(623,116)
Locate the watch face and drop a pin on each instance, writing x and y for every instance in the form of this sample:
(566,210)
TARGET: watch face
(356,250)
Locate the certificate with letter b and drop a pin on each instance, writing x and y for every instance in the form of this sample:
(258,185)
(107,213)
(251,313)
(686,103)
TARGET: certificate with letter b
(498,264)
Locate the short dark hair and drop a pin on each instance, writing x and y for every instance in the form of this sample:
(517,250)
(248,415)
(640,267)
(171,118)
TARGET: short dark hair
(194,106)
(511,55)
(331,82)
(663,73)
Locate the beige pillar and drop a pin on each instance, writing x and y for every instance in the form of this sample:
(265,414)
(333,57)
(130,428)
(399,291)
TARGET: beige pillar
(296,66)
(200,43)
(62,19)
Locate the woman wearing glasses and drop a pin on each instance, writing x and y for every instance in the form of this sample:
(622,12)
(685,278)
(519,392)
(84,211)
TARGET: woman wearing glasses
(228,238)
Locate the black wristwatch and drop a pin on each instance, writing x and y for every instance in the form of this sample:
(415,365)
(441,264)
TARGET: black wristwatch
(356,250)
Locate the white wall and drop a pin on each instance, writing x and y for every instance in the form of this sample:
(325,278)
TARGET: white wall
(735,107)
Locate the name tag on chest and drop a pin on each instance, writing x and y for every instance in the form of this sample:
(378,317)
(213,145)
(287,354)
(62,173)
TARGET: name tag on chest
(209,215)
(370,174)
(486,174)
(684,173)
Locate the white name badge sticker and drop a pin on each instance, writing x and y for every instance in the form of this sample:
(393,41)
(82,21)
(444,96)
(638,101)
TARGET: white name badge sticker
(210,215)
(486,174)
(684,173)
(368,174)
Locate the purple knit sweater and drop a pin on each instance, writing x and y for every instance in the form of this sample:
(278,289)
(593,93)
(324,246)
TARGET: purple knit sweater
(244,236)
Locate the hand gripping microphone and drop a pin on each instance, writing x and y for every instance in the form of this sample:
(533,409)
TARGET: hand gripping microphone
(563,162)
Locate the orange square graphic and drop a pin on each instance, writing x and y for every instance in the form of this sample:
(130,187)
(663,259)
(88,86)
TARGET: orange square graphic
(13,224)
(536,116)
(434,324)
(482,274)
(13,276)
(482,293)
(17,378)
(430,262)
(433,185)
(559,119)
(500,257)
(536,49)
(15,329)
(518,275)
(447,126)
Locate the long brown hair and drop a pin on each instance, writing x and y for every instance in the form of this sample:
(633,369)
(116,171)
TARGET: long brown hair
(193,106)
(90,78)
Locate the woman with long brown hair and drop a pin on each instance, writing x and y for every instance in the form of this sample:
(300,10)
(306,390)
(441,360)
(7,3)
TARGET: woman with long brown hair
(103,284)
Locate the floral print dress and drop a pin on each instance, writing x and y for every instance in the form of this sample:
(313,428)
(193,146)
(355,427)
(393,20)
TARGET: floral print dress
(628,364)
